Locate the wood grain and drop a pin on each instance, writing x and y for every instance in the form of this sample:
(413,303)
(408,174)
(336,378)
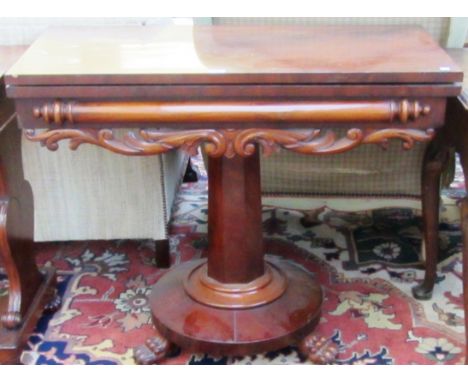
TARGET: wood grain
(263,54)
(236,90)
(229,142)
(147,112)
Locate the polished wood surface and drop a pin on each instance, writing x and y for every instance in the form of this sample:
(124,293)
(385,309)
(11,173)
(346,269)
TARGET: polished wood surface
(434,162)
(9,55)
(456,137)
(376,83)
(29,290)
(148,112)
(464,226)
(162,253)
(460,57)
(201,328)
(457,125)
(231,142)
(234,302)
(13,341)
(234,54)
(253,92)
(235,254)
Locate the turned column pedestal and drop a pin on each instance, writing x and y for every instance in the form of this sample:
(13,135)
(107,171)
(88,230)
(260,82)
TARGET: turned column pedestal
(237,301)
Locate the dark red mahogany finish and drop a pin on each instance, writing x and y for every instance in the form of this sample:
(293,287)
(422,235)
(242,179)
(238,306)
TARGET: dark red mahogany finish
(239,91)
(240,331)
(234,301)
(456,137)
(29,290)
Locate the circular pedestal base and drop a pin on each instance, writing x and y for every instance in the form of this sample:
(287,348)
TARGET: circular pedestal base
(199,327)
(260,291)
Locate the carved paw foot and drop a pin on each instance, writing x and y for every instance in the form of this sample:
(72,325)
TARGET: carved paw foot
(11,320)
(319,350)
(54,304)
(422,292)
(154,350)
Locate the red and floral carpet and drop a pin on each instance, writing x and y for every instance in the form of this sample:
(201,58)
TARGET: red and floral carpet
(368,312)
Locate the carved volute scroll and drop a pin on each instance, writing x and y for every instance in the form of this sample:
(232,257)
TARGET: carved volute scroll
(228,142)
(59,112)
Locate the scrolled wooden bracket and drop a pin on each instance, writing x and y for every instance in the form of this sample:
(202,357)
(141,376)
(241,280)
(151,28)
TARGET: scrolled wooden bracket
(60,112)
(229,142)
(12,317)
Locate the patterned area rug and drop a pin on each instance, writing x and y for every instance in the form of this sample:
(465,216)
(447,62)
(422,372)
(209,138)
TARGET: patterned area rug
(368,311)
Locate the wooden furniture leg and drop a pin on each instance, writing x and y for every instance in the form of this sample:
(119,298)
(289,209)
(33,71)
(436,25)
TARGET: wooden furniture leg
(456,125)
(162,254)
(464,228)
(462,149)
(236,302)
(29,290)
(434,163)
(190,175)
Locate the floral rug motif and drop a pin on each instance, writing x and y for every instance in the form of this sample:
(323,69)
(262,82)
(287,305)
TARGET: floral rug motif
(368,311)
(393,237)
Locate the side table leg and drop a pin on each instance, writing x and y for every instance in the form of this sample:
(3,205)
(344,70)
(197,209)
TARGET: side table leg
(464,228)
(456,125)
(162,255)
(29,290)
(430,210)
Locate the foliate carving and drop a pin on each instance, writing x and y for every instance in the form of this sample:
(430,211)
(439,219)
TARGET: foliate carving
(59,112)
(143,143)
(229,142)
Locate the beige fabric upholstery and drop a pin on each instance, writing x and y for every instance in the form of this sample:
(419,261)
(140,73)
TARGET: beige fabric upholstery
(366,170)
(92,193)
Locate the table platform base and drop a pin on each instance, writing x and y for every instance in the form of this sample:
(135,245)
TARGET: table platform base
(199,327)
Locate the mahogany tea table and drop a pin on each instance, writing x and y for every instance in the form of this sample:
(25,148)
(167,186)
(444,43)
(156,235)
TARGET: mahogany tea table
(237,92)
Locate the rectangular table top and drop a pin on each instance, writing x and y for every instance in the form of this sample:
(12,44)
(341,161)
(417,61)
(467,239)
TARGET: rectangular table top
(234,55)
(8,56)
(460,56)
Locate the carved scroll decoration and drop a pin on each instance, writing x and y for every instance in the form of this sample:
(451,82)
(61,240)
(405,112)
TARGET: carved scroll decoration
(60,112)
(228,142)
(12,317)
